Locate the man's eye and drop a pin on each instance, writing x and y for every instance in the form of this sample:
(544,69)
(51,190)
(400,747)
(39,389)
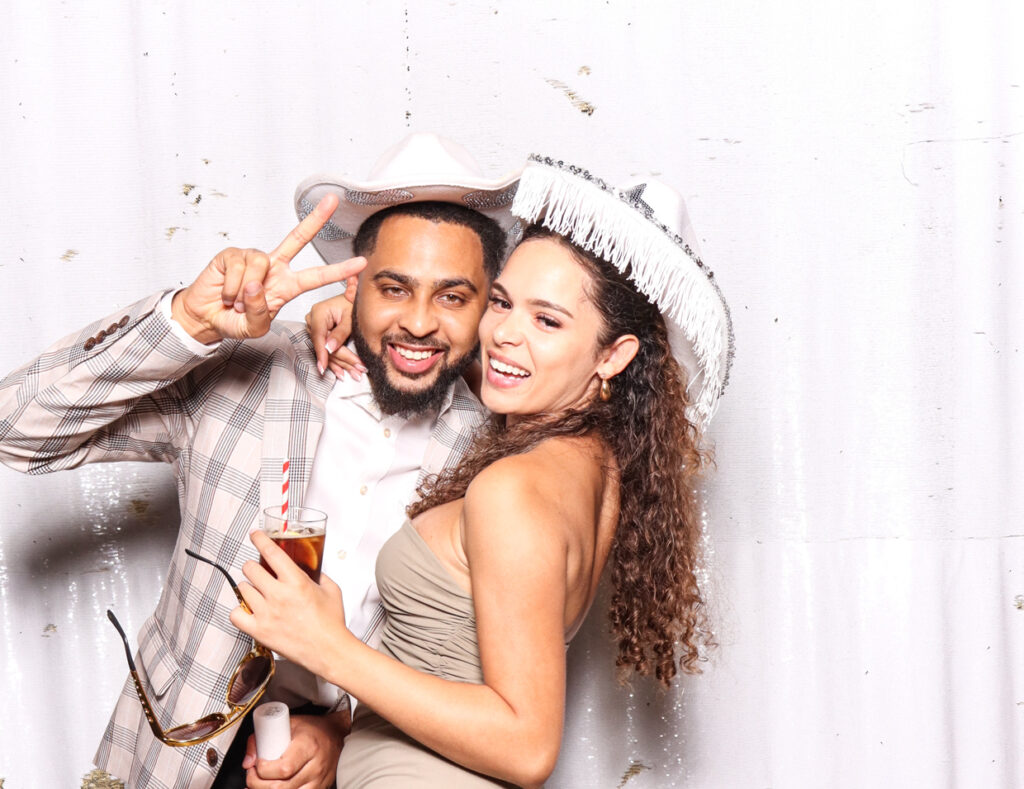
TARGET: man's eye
(452,299)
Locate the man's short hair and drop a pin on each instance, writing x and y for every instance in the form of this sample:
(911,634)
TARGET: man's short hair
(491,236)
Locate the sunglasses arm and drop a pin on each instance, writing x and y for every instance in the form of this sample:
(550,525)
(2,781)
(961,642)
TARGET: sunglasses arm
(146,706)
(124,640)
(231,581)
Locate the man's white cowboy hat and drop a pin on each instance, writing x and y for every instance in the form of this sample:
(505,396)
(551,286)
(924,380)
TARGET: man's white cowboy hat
(644,230)
(421,167)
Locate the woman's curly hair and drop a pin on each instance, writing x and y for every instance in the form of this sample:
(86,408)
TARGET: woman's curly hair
(656,603)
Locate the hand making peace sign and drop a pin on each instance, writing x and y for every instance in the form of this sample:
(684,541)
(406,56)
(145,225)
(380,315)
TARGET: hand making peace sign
(238,294)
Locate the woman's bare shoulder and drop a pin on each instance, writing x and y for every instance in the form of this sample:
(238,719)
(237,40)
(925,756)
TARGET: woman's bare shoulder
(560,477)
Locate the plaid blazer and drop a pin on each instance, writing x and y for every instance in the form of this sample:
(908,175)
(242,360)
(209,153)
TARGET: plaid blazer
(127,389)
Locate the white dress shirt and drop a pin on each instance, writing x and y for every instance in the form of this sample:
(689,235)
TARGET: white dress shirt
(364,475)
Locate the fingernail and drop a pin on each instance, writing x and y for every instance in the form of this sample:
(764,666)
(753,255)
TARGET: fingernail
(357,375)
(248,762)
(360,366)
(331,345)
(320,367)
(239,306)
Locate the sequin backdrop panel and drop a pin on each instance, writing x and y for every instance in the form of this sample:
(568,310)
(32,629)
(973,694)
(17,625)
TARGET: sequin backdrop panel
(853,172)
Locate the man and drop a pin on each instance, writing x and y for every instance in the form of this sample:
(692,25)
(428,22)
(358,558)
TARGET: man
(203,380)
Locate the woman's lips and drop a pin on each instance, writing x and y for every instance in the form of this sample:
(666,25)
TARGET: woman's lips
(503,374)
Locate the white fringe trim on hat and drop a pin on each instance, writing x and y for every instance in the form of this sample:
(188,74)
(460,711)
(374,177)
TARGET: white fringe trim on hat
(597,218)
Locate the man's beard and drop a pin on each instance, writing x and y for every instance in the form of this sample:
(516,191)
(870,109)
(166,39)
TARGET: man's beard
(394,401)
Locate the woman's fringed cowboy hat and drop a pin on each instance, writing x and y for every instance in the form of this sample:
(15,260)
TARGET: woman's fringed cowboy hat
(421,167)
(643,229)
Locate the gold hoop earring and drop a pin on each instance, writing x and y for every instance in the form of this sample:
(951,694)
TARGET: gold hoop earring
(606,390)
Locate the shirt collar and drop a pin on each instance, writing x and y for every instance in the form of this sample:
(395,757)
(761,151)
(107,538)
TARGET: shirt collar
(360,393)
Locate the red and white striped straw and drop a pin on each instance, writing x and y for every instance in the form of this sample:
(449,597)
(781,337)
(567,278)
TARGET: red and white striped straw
(284,495)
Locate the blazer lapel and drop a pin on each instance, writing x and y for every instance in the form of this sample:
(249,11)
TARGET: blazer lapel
(293,421)
(453,433)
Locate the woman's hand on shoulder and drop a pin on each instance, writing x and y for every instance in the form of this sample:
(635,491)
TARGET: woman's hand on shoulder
(329,324)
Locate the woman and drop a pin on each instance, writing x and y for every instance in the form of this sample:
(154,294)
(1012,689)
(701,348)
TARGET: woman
(592,458)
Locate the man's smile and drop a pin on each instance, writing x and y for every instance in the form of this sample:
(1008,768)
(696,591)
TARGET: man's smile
(413,360)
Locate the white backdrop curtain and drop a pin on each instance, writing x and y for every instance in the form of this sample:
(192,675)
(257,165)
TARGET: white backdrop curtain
(854,172)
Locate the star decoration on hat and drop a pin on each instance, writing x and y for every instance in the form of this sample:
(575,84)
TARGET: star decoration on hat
(635,196)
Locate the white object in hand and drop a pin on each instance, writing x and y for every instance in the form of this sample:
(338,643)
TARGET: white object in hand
(273,729)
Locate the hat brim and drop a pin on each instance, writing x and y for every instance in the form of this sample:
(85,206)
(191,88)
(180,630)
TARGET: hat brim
(359,200)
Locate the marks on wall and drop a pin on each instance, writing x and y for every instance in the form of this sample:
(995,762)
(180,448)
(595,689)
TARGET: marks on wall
(578,101)
(634,769)
(139,507)
(194,194)
(726,140)
(187,189)
(1001,138)
(69,255)
(408,67)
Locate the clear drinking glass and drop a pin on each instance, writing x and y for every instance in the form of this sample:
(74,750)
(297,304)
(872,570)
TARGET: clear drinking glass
(301,534)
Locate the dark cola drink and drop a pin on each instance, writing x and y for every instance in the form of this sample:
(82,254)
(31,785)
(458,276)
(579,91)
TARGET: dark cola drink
(305,546)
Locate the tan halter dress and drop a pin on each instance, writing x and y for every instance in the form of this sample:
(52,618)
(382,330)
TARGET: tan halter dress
(430,626)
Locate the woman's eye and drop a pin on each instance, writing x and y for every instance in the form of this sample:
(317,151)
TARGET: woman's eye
(549,322)
(499,303)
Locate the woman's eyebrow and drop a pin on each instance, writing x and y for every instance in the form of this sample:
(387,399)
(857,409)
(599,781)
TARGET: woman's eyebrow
(548,305)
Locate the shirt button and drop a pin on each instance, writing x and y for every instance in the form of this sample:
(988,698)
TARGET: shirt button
(123,322)
(211,757)
(112,328)
(387,432)
(90,344)
(362,490)
(342,553)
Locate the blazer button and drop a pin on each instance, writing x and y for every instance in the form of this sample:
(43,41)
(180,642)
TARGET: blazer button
(123,322)
(113,327)
(90,344)
(211,757)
